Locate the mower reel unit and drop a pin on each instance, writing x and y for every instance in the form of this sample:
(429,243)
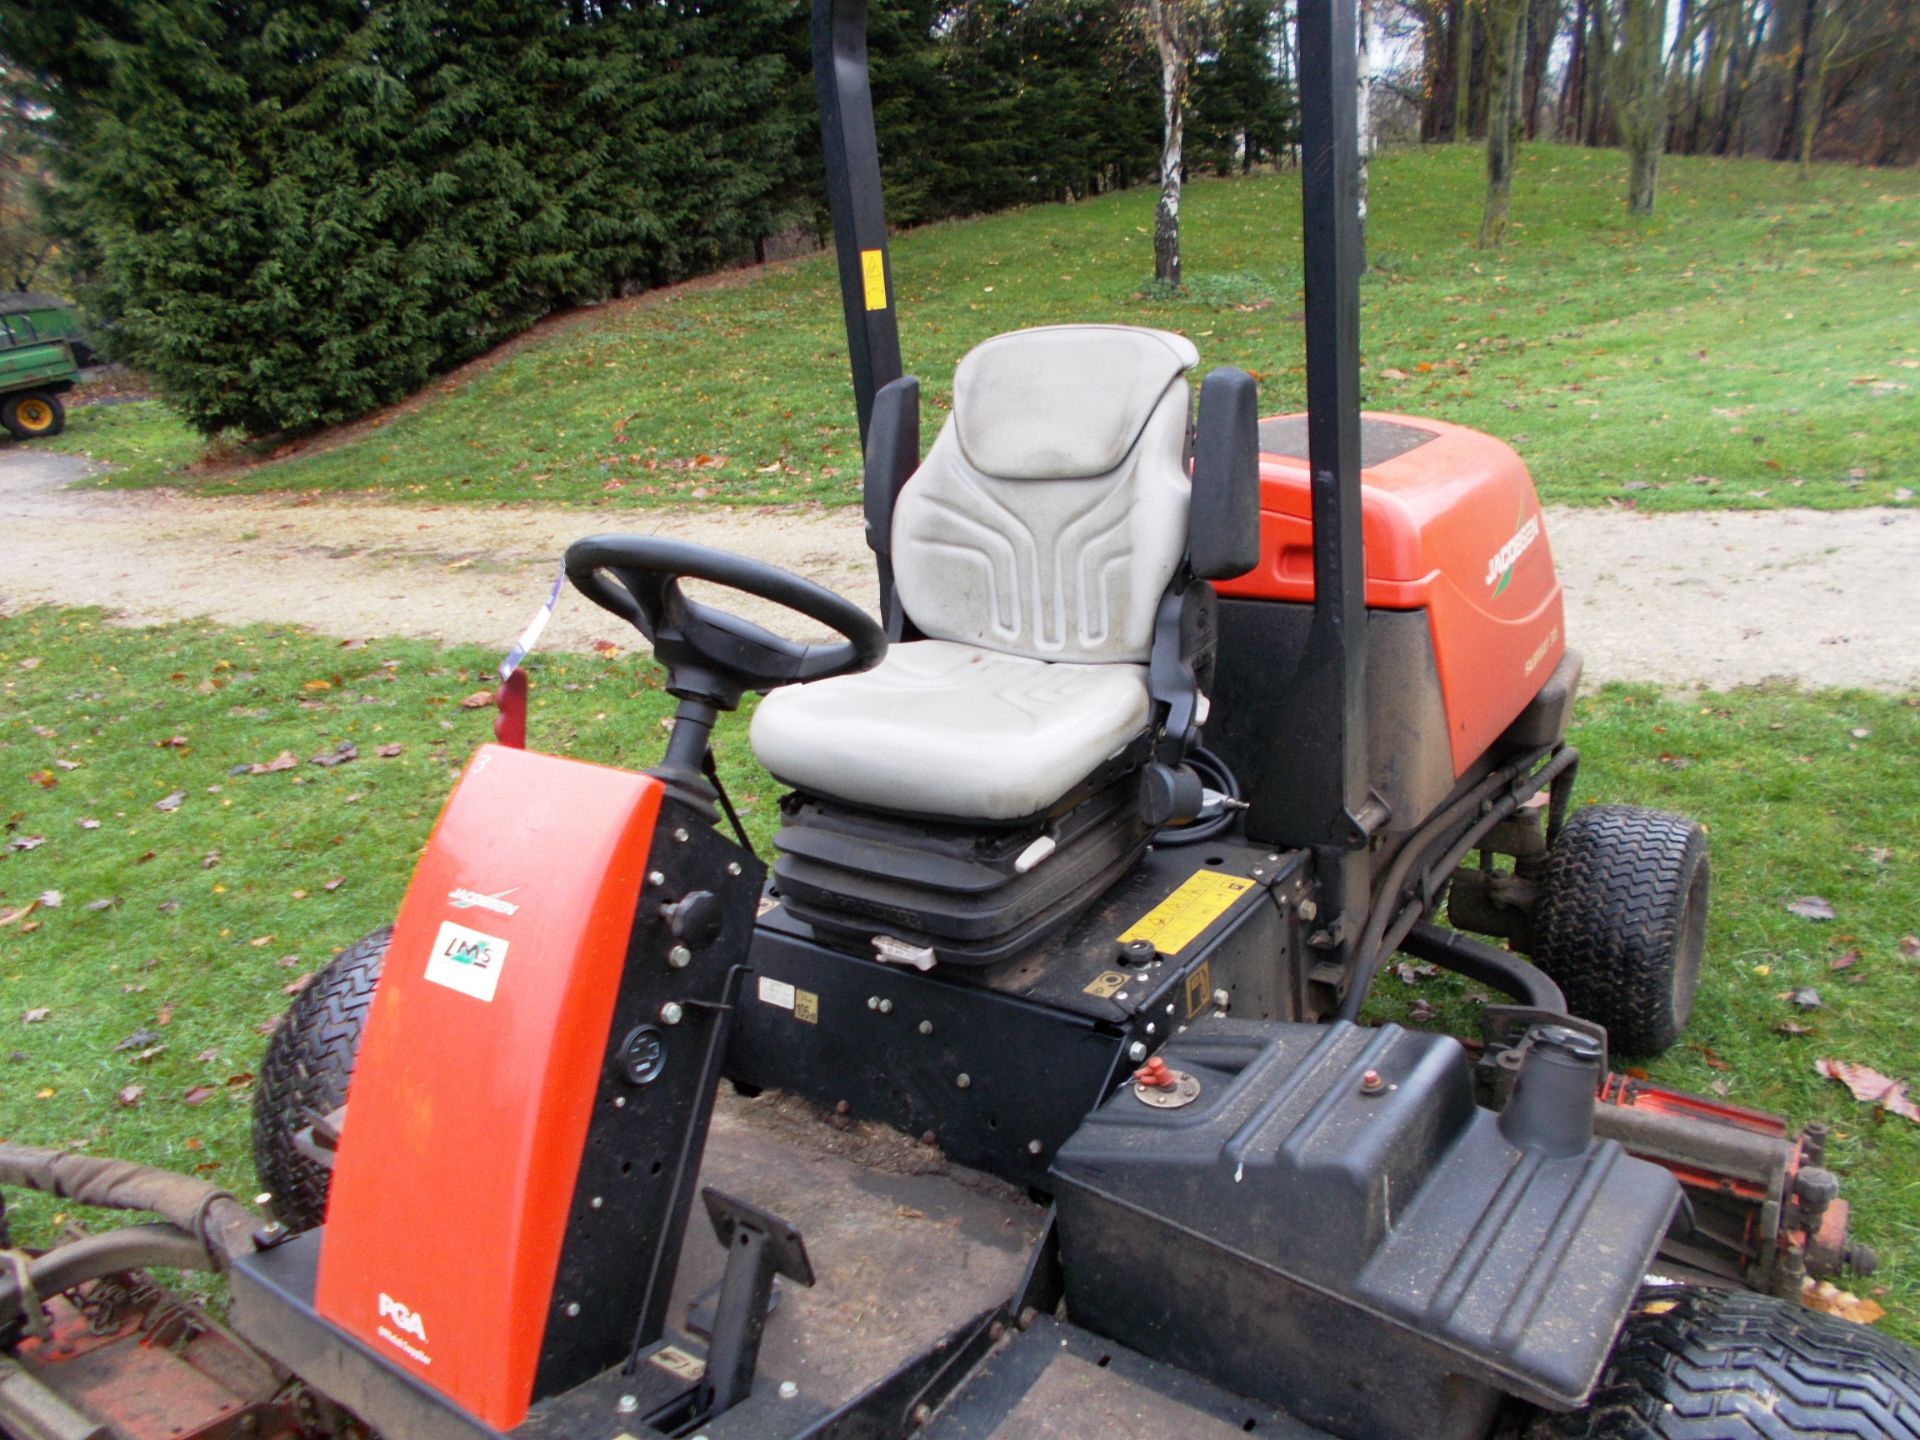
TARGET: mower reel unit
(1026,1093)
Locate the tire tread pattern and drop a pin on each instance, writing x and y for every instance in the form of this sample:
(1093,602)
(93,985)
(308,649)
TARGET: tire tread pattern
(1695,1363)
(1612,900)
(305,1072)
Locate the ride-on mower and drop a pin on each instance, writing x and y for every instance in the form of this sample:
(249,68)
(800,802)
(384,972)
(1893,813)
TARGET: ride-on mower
(1046,1106)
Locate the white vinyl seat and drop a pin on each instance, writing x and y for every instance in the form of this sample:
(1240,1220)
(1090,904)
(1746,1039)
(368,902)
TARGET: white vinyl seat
(1031,548)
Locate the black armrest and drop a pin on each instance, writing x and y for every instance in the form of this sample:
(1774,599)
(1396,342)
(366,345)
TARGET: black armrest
(1223,525)
(893,454)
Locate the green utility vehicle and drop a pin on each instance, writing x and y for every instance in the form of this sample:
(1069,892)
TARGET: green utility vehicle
(35,370)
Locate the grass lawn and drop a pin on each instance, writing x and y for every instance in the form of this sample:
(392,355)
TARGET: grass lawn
(1755,343)
(134,1008)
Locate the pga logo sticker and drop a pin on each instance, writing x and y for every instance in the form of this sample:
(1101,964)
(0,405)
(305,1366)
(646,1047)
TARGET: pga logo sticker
(392,1309)
(466,960)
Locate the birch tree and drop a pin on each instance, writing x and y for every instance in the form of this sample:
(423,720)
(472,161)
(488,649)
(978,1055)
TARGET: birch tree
(1173,23)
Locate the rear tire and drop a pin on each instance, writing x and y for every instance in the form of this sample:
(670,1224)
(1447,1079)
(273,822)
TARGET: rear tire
(33,414)
(1700,1364)
(304,1076)
(1621,923)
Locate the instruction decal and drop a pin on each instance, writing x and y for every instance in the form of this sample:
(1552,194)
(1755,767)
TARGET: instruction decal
(776,992)
(1199,990)
(678,1363)
(1176,922)
(873,273)
(1105,985)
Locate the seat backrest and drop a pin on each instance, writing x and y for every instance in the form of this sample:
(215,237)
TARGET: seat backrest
(1051,513)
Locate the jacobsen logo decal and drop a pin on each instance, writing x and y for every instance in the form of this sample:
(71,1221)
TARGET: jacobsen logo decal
(472,900)
(1500,567)
(466,960)
(403,1319)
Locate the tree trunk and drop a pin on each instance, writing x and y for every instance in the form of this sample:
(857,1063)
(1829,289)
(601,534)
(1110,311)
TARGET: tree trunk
(1363,112)
(1640,84)
(1506,31)
(1573,87)
(1170,37)
(1790,132)
(1463,73)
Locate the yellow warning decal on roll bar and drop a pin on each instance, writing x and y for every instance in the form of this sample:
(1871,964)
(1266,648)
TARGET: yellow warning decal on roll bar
(873,270)
(1176,922)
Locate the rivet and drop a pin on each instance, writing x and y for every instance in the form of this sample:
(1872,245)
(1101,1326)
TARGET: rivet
(596,1202)
(619,1102)
(788,1389)
(627,1404)
(1150,1029)
(679,957)
(671,1012)
(573,1308)
(1221,999)
(1137,1051)
(733,867)
(680,836)
(656,877)
(873,1002)
(926,1027)
(963,1080)
(1034,1147)
(886,1006)
(1258,872)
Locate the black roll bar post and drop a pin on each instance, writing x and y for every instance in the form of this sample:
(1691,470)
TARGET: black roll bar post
(854,195)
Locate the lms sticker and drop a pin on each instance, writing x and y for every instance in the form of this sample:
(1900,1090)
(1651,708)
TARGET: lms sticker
(466,960)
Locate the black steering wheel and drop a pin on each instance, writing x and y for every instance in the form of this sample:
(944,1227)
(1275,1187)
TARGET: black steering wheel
(709,654)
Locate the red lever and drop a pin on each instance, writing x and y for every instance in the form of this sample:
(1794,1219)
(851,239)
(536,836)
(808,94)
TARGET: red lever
(1155,1075)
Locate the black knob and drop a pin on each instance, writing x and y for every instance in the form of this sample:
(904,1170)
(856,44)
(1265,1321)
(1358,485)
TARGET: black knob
(694,919)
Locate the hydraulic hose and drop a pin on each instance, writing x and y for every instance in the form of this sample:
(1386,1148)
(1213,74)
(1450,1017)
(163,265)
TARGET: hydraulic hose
(205,1226)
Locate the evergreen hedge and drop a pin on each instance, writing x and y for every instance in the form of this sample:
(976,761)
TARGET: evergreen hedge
(288,212)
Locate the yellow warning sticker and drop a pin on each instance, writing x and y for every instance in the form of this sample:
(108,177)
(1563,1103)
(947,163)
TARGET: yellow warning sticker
(873,270)
(1105,985)
(675,1361)
(806,1006)
(1199,990)
(1176,922)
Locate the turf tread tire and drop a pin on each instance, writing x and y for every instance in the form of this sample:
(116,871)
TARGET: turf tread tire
(304,1074)
(1614,921)
(1694,1363)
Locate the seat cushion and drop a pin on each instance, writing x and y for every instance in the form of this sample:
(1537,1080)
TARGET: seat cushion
(941,728)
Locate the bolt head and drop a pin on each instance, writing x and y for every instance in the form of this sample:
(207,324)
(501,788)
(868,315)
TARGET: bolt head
(873,1002)
(627,1404)
(573,1308)
(886,1007)
(680,836)
(788,1389)
(1034,1147)
(926,1027)
(596,1202)
(1221,999)
(963,1080)
(1137,1051)
(679,957)
(1371,1083)
(733,867)
(656,877)
(671,1013)
(1309,910)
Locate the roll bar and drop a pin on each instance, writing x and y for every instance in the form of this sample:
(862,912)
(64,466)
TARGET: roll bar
(1328,760)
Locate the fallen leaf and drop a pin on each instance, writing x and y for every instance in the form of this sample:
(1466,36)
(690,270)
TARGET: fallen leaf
(130,1094)
(1845,961)
(260,940)
(87,822)
(164,1016)
(478,700)
(283,761)
(1870,1086)
(296,985)
(19,914)
(172,742)
(1824,1295)
(35,1015)
(207,1057)
(269,1025)
(1421,1012)
(1393,374)
(66,764)
(1806,998)
(45,1092)
(1811,907)
(240,1081)
(45,779)
(1792,1027)
(137,1039)
(387,752)
(346,750)
(200,1094)
(1714,1062)
(210,859)
(1910,947)
(317,685)
(607,647)
(50,899)
(335,883)
(26,842)
(142,1056)
(170,802)
(106,903)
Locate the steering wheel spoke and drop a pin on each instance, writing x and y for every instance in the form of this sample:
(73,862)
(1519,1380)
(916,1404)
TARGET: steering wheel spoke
(710,654)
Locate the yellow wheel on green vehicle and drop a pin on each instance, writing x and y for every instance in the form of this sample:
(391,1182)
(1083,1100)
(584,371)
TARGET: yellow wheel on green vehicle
(33,415)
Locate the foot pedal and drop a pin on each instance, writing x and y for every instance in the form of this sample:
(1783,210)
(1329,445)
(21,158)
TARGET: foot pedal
(759,1246)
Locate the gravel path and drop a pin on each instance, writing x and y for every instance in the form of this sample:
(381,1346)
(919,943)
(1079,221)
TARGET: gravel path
(1826,598)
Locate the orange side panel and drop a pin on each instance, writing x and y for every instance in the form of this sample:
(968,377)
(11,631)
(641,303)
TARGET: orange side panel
(475,1080)
(1452,527)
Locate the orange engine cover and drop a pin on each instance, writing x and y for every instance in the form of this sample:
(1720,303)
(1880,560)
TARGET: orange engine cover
(1452,527)
(475,1081)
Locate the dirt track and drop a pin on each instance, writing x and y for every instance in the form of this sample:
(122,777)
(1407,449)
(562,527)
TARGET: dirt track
(1827,598)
